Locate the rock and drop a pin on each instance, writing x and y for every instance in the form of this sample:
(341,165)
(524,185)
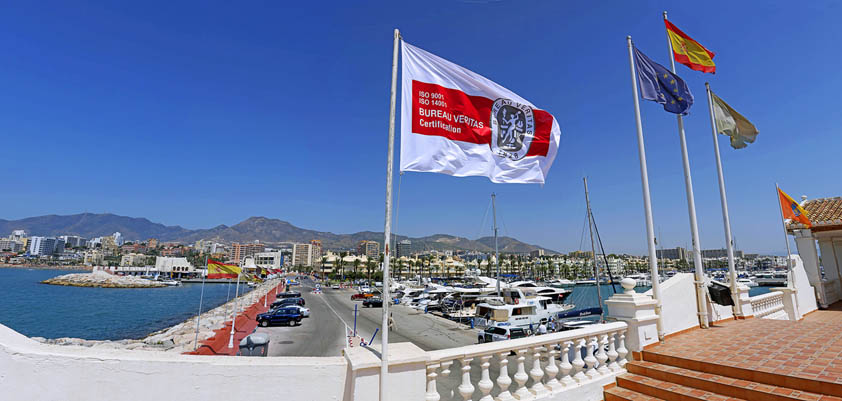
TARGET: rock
(102,279)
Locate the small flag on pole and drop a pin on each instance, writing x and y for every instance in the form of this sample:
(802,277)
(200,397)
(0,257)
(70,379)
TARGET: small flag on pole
(661,85)
(222,270)
(689,52)
(733,124)
(792,210)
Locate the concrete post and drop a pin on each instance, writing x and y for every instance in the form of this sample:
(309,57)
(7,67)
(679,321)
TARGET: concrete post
(638,311)
(745,301)
(806,244)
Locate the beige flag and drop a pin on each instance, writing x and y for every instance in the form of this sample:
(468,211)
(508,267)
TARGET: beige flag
(733,124)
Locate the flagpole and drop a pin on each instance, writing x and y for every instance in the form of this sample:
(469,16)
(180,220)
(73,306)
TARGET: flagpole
(791,281)
(201,298)
(496,250)
(726,220)
(234,317)
(691,208)
(387,232)
(647,203)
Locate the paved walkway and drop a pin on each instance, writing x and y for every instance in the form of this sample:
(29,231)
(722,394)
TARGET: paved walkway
(809,349)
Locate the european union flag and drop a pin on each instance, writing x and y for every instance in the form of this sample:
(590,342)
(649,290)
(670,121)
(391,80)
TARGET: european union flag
(661,85)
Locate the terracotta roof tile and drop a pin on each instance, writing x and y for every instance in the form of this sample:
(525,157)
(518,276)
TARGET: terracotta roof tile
(824,213)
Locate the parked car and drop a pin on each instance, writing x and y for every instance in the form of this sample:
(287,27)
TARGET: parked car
(500,333)
(365,289)
(335,286)
(288,301)
(359,296)
(288,294)
(373,302)
(288,316)
(305,312)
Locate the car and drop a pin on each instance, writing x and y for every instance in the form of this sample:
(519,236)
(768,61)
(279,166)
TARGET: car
(365,289)
(500,333)
(359,296)
(335,286)
(288,294)
(373,302)
(305,312)
(288,316)
(288,301)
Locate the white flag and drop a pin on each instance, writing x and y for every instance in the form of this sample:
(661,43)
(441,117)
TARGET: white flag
(457,122)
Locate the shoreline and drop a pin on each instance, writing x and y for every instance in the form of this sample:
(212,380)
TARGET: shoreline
(180,337)
(42,267)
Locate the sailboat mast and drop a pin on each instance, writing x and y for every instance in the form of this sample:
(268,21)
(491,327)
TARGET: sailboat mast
(593,246)
(496,251)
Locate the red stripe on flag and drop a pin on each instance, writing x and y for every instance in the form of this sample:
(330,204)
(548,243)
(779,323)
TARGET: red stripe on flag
(455,115)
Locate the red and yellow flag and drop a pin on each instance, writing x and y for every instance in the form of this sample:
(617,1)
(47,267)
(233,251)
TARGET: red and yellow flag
(792,210)
(222,270)
(689,52)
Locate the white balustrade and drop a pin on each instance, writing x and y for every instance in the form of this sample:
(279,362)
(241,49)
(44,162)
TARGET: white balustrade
(767,304)
(558,362)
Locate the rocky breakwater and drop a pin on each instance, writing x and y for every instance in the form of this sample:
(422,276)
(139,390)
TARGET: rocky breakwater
(102,279)
(181,337)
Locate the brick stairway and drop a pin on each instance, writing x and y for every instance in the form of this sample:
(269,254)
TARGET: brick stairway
(660,376)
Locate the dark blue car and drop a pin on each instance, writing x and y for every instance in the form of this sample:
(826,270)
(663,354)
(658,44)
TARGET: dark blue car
(288,316)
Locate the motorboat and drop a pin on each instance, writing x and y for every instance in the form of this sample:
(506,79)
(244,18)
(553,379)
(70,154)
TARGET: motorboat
(520,307)
(774,278)
(746,282)
(171,283)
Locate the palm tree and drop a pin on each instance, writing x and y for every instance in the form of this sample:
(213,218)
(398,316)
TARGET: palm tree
(356,266)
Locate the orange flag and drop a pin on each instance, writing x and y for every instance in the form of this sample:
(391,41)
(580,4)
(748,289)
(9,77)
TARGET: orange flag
(792,210)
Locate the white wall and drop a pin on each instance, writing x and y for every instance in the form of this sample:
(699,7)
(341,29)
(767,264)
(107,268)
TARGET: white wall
(30,370)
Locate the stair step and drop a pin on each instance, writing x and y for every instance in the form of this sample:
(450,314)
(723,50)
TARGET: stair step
(624,394)
(722,385)
(667,390)
(752,375)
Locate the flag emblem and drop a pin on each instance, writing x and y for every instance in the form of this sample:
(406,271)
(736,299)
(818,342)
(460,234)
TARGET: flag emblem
(513,127)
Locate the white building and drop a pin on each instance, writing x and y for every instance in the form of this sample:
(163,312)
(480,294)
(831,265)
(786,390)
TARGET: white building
(118,238)
(269,260)
(134,259)
(302,255)
(93,258)
(45,246)
(173,266)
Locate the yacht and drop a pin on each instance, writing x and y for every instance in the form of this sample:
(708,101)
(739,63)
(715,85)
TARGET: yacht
(746,282)
(774,278)
(520,307)
(642,279)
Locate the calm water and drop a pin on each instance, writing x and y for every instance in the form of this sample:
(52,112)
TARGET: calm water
(584,296)
(52,311)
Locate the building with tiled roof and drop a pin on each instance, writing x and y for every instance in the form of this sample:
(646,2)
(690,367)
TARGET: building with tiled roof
(824,272)
(824,213)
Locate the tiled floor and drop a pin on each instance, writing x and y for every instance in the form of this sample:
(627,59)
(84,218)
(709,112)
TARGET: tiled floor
(808,349)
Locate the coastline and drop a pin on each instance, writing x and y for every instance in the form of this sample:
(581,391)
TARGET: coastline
(181,337)
(42,267)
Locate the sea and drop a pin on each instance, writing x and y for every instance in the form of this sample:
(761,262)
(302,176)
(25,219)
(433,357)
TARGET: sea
(52,311)
(585,296)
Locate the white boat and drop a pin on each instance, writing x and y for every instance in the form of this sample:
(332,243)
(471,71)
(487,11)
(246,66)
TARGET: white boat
(585,282)
(746,282)
(520,307)
(773,278)
(642,280)
(171,283)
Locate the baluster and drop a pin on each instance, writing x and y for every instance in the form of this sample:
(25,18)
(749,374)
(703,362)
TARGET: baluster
(552,370)
(466,388)
(578,362)
(485,384)
(601,356)
(520,377)
(622,351)
(503,380)
(565,367)
(432,391)
(590,359)
(612,352)
(538,388)
(445,372)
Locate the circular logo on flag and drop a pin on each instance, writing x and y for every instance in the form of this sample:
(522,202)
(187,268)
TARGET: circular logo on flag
(795,210)
(512,129)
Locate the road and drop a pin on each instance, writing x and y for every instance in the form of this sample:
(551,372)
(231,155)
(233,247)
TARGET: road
(323,333)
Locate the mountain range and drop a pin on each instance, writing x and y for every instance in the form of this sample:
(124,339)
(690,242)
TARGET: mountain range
(266,230)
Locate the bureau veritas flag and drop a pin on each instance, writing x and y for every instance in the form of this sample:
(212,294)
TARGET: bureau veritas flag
(457,122)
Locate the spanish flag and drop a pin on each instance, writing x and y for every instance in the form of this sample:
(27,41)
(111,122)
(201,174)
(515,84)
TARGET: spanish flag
(792,210)
(689,52)
(222,270)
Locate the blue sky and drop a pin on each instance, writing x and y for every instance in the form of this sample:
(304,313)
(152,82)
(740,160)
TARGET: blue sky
(206,113)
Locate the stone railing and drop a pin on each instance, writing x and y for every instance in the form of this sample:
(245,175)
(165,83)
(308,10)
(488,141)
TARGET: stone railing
(767,304)
(577,363)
